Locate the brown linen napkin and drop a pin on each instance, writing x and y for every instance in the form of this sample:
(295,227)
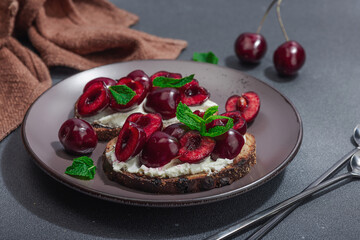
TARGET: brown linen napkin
(23,76)
(82,34)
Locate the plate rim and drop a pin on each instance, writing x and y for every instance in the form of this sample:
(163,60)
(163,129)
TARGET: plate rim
(157,202)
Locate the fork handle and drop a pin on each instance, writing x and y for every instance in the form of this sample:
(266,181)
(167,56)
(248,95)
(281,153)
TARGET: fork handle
(277,208)
(270,224)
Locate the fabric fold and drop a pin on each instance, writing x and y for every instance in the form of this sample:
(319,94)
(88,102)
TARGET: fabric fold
(23,76)
(83,34)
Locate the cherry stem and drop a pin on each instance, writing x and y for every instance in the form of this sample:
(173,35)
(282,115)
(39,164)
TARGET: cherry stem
(265,15)
(280,20)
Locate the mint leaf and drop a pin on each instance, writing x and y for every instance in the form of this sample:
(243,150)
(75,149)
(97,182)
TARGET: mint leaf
(218,130)
(213,117)
(194,122)
(208,57)
(186,116)
(82,167)
(122,94)
(165,82)
(210,111)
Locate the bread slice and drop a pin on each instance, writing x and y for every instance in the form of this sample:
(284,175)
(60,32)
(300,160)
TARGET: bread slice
(104,134)
(187,183)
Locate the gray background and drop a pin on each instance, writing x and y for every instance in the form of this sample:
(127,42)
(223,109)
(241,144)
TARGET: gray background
(325,92)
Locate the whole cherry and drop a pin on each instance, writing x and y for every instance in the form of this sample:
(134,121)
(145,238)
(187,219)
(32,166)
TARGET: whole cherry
(290,56)
(250,47)
(77,136)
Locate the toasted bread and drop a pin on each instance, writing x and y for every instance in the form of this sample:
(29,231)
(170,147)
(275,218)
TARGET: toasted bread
(186,183)
(103,133)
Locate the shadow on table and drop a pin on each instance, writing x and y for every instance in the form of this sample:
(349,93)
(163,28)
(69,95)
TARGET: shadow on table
(233,62)
(60,205)
(270,71)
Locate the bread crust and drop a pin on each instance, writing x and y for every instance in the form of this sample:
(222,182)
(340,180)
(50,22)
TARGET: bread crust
(187,183)
(104,134)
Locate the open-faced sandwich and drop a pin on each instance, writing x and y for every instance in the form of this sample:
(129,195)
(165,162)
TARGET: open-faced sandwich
(165,135)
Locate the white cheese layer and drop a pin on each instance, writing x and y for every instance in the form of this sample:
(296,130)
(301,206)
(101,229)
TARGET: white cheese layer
(175,168)
(110,118)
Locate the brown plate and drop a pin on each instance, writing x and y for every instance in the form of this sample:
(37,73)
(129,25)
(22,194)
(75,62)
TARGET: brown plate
(277,129)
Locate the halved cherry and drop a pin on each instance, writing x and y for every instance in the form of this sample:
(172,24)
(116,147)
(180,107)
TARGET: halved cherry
(194,95)
(150,122)
(216,122)
(107,81)
(195,147)
(93,100)
(139,90)
(199,113)
(248,104)
(194,82)
(163,74)
(140,76)
(239,122)
(130,141)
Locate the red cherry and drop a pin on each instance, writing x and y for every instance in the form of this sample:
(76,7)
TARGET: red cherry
(250,47)
(163,101)
(228,145)
(137,87)
(163,74)
(95,99)
(141,76)
(195,147)
(248,104)
(150,123)
(107,81)
(176,130)
(159,150)
(289,57)
(77,136)
(239,122)
(130,141)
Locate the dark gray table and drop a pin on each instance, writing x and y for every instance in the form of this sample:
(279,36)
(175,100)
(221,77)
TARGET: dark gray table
(326,93)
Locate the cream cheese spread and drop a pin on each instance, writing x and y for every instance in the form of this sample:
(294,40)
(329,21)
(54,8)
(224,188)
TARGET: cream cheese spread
(174,168)
(110,118)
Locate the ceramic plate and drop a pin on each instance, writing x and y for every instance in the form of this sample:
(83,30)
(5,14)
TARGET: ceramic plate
(277,130)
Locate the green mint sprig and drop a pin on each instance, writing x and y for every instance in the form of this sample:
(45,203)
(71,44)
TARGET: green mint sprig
(208,57)
(165,82)
(82,167)
(122,94)
(194,122)
(210,111)
(218,130)
(186,116)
